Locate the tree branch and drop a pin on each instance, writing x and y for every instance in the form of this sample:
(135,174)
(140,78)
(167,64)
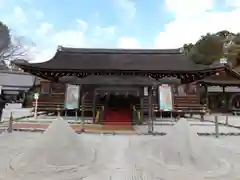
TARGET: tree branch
(16,50)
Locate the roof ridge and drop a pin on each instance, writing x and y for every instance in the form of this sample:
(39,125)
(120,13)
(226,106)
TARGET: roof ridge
(118,51)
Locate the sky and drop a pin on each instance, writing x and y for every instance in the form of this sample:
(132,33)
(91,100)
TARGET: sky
(128,24)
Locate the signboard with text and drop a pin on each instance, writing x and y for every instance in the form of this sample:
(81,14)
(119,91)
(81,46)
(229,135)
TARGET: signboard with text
(72,97)
(165,97)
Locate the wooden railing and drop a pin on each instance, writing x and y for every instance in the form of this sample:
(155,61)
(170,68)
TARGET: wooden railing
(49,106)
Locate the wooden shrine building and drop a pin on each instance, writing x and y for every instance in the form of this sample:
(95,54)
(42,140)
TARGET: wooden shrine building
(114,79)
(223,91)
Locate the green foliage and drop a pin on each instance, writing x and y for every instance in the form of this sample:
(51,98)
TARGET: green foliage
(187,48)
(5,38)
(224,33)
(209,48)
(236,39)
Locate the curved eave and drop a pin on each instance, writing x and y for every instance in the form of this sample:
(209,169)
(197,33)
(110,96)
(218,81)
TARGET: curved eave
(109,80)
(219,83)
(232,72)
(186,76)
(29,69)
(35,67)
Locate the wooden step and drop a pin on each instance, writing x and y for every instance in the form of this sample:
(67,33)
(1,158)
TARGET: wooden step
(179,99)
(60,98)
(186,102)
(188,105)
(185,97)
(117,128)
(88,127)
(189,108)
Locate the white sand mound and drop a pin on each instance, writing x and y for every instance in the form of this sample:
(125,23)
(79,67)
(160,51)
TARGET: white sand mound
(58,147)
(183,147)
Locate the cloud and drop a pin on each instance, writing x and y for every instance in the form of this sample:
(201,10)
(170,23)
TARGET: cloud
(75,37)
(233,3)
(128,43)
(186,8)
(38,14)
(19,14)
(127,8)
(82,25)
(2,2)
(68,38)
(48,37)
(28,1)
(100,31)
(193,19)
(43,33)
(44,28)
(39,55)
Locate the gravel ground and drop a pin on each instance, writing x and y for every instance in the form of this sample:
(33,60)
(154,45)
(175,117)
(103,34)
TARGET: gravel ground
(231,120)
(196,125)
(134,157)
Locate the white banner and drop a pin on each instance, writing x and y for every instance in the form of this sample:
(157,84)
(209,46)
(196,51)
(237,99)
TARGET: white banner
(165,97)
(72,97)
(145,91)
(214,89)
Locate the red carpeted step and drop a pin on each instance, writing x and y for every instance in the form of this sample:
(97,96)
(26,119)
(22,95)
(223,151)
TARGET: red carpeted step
(118,117)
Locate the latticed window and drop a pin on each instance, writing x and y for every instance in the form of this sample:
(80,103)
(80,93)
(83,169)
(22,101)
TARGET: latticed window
(185,89)
(182,90)
(57,88)
(45,88)
(192,88)
(154,93)
(175,89)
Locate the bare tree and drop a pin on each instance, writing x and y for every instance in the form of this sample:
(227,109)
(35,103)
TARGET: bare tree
(17,49)
(12,48)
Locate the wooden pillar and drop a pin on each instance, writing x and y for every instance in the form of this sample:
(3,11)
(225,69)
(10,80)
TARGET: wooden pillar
(150,110)
(105,106)
(216,126)
(81,114)
(225,107)
(76,113)
(206,95)
(10,123)
(94,107)
(141,108)
(101,115)
(58,110)
(82,110)
(226,120)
